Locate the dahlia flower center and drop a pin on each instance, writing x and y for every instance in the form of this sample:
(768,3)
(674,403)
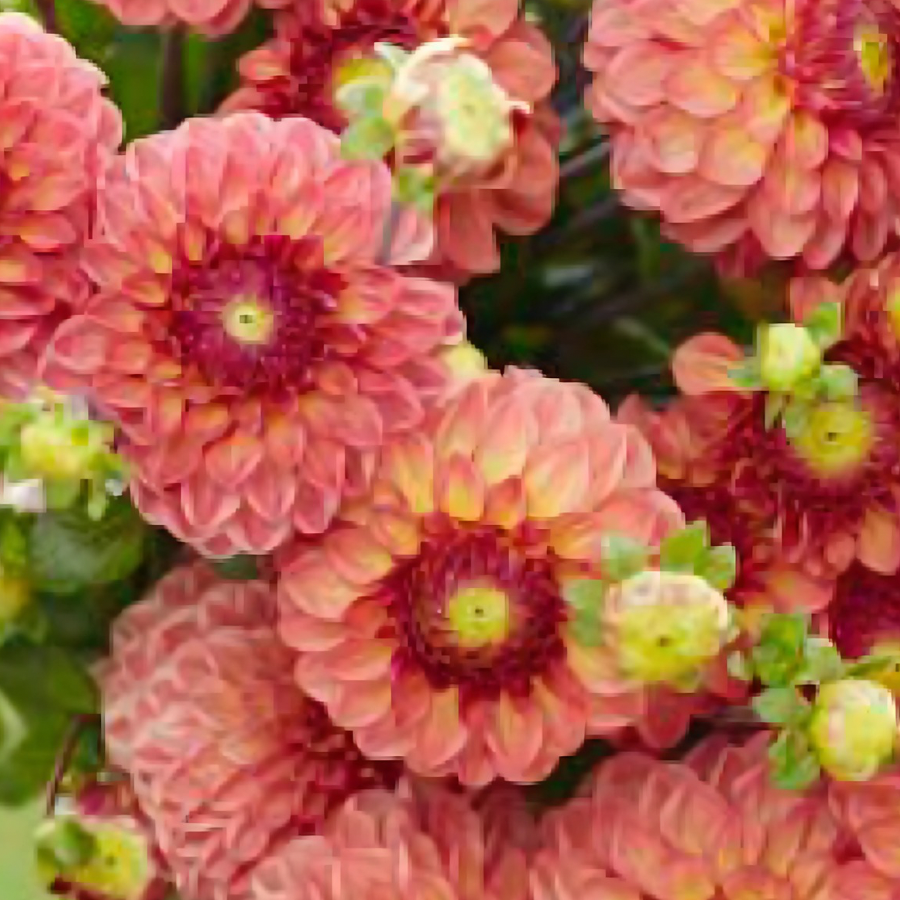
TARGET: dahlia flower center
(843,60)
(479,615)
(836,438)
(251,318)
(476,612)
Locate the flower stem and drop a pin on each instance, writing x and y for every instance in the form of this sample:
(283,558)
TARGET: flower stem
(63,758)
(47,9)
(171,89)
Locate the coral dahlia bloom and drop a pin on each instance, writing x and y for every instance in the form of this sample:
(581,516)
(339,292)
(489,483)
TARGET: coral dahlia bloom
(246,335)
(227,757)
(312,55)
(433,624)
(710,828)
(58,132)
(212,18)
(688,450)
(758,129)
(417,844)
(827,495)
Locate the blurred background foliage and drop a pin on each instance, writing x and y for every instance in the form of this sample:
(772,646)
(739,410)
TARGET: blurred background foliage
(598,297)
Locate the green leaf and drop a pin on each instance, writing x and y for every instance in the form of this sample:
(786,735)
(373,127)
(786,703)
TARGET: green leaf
(822,662)
(719,567)
(237,568)
(824,324)
(587,628)
(794,419)
(746,375)
(683,551)
(781,706)
(876,664)
(370,137)
(838,382)
(779,654)
(622,556)
(794,766)
(70,552)
(46,678)
(13,545)
(416,186)
(775,403)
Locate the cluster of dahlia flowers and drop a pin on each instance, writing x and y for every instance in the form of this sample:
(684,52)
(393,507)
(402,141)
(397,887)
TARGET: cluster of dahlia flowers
(394,592)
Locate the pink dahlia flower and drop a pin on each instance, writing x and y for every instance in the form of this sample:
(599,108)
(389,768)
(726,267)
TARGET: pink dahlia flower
(758,129)
(228,758)
(433,624)
(298,71)
(415,845)
(212,18)
(829,494)
(246,335)
(58,132)
(711,828)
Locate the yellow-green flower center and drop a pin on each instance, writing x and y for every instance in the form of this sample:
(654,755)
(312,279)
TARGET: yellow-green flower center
(873,49)
(119,866)
(479,616)
(248,320)
(836,438)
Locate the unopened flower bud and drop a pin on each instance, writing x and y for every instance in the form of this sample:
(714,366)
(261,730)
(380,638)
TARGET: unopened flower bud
(853,729)
(788,355)
(446,104)
(665,626)
(61,450)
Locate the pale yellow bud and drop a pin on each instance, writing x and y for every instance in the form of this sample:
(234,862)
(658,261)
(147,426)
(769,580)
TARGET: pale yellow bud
(787,356)
(853,730)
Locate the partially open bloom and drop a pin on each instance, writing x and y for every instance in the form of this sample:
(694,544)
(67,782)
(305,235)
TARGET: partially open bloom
(505,67)
(665,626)
(854,728)
(421,842)
(58,132)
(686,440)
(758,130)
(435,623)
(828,493)
(246,334)
(709,828)
(228,758)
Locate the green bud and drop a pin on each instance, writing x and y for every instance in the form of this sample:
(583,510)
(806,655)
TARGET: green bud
(788,355)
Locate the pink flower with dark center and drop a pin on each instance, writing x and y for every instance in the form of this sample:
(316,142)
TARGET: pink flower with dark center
(229,760)
(826,495)
(317,51)
(757,129)
(247,334)
(434,623)
(58,133)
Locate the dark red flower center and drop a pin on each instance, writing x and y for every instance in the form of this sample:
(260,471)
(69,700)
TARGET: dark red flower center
(476,612)
(250,318)
(318,50)
(865,615)
(821,482)
(842,59)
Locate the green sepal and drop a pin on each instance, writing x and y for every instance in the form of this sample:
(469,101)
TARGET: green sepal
(825,324)
(363,98)
(586,627)
(684,550)
(719,567)
(416,186)
(781,706)
(779,654)
(793,764)
(622,556)
(64,844)
(242,567)
(872,665)
(838,382)
(794,418)
(822,662)
(367,138)
(746,375)
(775,403)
